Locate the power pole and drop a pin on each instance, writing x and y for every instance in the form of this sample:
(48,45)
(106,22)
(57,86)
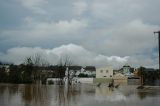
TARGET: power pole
(158,32)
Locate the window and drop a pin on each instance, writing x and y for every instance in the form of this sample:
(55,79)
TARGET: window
(106,71)
(101,71)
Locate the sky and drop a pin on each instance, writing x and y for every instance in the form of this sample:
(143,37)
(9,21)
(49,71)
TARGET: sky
(91,32)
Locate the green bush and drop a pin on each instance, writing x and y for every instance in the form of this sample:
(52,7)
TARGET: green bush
(82,75)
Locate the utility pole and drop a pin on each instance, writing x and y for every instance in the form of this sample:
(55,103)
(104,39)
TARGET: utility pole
(158,32)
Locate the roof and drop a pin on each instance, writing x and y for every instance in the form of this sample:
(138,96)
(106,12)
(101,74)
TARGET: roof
(126,65)
(149,69)
(90,68)
(75,67)
(119,76)
(116,70)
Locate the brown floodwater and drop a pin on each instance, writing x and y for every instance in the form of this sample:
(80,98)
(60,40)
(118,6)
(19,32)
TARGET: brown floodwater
(77,95)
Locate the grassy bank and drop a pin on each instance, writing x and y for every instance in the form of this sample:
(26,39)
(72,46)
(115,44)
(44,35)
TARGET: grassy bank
(101,80)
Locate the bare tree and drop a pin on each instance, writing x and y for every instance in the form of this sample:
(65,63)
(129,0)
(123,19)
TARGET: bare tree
(37,63)
(68,63)
(38,60)
(64,69)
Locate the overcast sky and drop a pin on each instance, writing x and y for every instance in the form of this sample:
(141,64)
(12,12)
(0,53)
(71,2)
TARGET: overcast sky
(91,32)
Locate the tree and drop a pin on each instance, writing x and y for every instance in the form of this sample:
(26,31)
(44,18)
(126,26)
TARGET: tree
(61,70)
(15,75)
(3,75)
(35,64)
(65,68)
(141,73)
(82,75)
(26,72)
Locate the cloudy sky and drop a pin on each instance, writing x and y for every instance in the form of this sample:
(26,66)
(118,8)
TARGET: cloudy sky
(91,32)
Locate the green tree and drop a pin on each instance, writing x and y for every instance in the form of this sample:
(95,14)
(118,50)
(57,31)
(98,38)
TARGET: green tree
(15,74)
(82,75)
(3,75)
(141,73)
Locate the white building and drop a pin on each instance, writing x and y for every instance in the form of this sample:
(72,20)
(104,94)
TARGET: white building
(126,70)
(88,71)
(104,72)
(73,71)
(6,67)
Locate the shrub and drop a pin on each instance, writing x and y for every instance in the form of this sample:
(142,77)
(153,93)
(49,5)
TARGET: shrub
(50,82)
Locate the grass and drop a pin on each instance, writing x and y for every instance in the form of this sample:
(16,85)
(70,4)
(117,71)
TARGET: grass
(101,80)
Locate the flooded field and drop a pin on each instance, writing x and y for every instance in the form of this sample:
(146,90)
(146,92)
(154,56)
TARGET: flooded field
(77,95)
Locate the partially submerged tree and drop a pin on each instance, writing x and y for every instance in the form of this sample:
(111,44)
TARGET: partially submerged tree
(65,69)
(141,74)
(62,67)
(3,75)
(27,70)
(35,64)
(15,75)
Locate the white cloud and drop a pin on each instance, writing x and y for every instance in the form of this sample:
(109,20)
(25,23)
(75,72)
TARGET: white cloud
(122,11)
(73,25)
(80,7)
(60,27)
(28,19)
(33,32)
(115,9)
(77,54)
(115,46)
(115,30)
(135,37)
(35,5)
(142,60)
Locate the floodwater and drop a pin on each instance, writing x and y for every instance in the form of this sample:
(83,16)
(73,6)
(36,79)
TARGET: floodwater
(77,95)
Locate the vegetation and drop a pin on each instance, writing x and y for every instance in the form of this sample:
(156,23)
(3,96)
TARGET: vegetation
(148,76)
(101,80)
(82,75)
(50,82)
(3,75)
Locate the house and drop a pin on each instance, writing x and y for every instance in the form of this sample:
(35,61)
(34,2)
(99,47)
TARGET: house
(78,71)
(136,73)
(116,71)
(127,71)
(120,78)
(6,67)
(80,74)
(73,71)
(90,71)
(104,73)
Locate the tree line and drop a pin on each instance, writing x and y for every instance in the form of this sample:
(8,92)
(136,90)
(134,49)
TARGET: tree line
(30,71)
(149,76)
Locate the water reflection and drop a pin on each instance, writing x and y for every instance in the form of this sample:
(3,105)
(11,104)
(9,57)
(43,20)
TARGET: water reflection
(34,95)
(2,89)
(142,94)
(75,95)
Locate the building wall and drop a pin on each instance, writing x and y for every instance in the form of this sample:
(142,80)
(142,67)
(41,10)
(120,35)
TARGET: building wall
(85,80)
(120,79)
(104,72)
(86,72)
(126,70)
